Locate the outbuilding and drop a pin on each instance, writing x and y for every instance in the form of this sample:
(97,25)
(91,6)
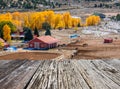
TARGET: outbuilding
(43,42)
(108,40)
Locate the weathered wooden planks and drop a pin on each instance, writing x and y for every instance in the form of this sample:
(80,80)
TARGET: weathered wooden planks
(6,67)
(75,74)
(16,74)
(59,74)
(95,78)
(115,63)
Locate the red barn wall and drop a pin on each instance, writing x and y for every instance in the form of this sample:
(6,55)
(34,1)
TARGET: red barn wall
(41,44)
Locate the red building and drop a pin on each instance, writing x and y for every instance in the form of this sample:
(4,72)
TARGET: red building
(108,40)
(43,42)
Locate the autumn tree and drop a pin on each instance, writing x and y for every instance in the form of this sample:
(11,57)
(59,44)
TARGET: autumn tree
(75,22)
(1,44)
(6,32)
(67,20)
(12,27)
(50,18)
(92,20)
(26,21)
(36,19)
(59,22)
(6,17)
(16,16)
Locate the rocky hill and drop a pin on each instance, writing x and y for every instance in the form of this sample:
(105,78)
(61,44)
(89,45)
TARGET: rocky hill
(34,4)
(39,4)
(101,3)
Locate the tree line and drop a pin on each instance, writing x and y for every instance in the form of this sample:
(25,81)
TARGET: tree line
(17,21)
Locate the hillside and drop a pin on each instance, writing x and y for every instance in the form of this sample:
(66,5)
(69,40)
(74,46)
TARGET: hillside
(34,4)
(101,3)
(50,4)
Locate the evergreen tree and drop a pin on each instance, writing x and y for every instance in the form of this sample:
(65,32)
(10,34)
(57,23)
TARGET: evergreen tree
(118,17)
(48,32)
(36,32)
(28,34)
(46,26)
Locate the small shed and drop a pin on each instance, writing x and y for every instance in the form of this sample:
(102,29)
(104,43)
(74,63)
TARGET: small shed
(108,40)
(43,42)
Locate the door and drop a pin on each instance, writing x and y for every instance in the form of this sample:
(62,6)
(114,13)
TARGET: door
(36,45)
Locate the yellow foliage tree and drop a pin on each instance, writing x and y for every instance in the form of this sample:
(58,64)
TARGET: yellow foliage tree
(92,20)
(1,44)
(6,17)
(75,22)
(6,32)
(59,23)
(17,23)
(16,16)
(67,20)
(36,19)
(50,18)
(26,21)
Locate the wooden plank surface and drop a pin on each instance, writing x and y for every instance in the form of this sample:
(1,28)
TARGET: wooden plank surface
(16,74)
(59,74)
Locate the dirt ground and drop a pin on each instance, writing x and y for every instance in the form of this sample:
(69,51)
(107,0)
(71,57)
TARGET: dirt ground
(95,49)
(30,56)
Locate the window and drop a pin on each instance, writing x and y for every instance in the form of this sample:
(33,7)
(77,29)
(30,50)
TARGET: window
(31,45)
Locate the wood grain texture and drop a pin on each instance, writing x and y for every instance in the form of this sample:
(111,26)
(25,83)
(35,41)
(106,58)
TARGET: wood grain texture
(59,74)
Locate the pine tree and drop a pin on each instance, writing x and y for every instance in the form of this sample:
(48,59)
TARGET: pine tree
(28,34)
(48,32)
(36,32)
(47,27)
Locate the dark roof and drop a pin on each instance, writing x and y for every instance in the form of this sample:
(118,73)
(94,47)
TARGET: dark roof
(100,14)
